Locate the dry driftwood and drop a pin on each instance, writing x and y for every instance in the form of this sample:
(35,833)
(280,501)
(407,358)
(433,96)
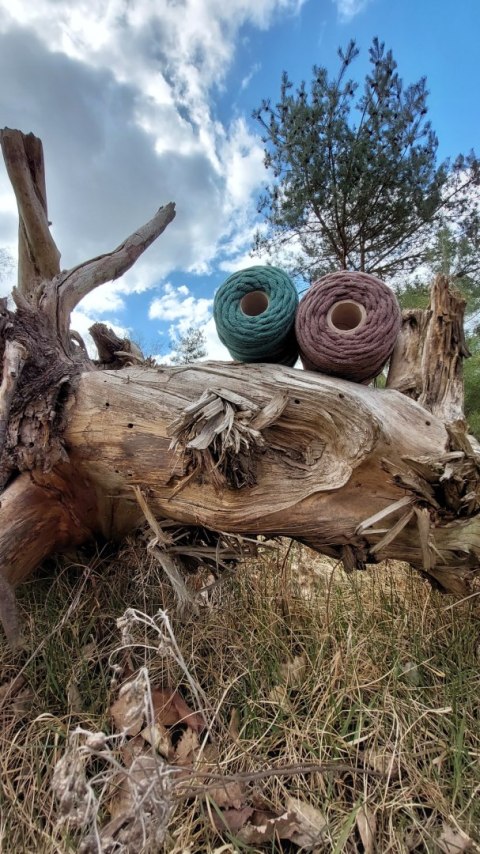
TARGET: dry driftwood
(355,472)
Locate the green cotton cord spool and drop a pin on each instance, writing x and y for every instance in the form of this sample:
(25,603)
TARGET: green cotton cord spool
(254,312)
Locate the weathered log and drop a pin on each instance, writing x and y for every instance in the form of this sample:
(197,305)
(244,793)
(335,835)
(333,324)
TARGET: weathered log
(338,454)
(358,473)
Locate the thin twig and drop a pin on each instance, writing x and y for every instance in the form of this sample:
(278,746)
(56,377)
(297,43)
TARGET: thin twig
(266,773)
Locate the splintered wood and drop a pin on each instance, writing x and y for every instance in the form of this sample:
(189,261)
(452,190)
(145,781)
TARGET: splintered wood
(219,437)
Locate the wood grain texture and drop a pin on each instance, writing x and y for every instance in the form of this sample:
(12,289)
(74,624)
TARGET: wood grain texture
(337,454)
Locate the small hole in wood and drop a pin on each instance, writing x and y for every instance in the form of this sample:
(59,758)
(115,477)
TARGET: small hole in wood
(296,400)
(107,403)
(130,425)
(428,423)
(341,396)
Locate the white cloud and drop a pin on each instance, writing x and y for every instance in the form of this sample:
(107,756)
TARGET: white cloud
(120,94)
(215,348)
(175,305)
(185,310)
(103,300)
(249,77)
(348,9)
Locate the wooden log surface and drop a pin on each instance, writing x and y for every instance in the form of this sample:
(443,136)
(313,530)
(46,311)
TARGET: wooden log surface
(338,454)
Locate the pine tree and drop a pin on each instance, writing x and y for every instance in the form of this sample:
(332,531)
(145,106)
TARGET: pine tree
(355,178)
(189,347)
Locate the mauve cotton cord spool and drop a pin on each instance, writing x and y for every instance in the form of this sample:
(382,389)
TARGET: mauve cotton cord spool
(254,312)
(346,325)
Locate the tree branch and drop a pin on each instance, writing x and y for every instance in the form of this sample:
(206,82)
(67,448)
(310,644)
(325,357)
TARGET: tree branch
(76,283)
(79,281)
(38,256)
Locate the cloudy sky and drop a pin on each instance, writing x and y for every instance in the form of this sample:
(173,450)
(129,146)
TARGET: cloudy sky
(139,102)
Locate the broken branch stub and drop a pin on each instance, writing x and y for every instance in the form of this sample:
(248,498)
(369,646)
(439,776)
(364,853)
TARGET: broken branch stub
(219,436)
(427,361)
(38,256)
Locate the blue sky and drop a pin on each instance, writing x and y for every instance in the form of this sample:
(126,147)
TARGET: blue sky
(141,102)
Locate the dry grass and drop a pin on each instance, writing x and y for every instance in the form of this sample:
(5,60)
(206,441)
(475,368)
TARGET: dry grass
(390,686)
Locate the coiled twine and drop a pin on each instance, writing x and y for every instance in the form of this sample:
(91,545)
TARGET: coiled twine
(347,324)
(254,312)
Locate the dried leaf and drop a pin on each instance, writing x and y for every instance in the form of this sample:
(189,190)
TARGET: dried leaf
(128,709)
(367,825)
(187,747)
(230,795)
(383,761)
(281,827)
(170,708)
(452,840)
(158,737)
(310,821)
(231,819)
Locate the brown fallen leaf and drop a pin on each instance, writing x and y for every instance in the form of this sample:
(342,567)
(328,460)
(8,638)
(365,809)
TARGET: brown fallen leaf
(230,795)
(452,840)
(170,708)
(367,826)
(187,747)
(158,737)
(231,819)
(311,823)
(281,827)
(128,710)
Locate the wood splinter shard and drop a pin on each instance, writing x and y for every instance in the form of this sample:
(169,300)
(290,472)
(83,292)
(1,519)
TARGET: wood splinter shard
(220,437)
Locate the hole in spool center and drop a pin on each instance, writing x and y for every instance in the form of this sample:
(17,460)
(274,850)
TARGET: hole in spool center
(254,303)
(346,316)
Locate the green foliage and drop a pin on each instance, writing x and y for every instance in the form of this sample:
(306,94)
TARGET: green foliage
(471,374)
(356,181)
(190,347)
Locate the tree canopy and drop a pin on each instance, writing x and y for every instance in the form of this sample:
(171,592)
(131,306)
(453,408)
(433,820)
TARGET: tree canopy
(189,347)
(356,183)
